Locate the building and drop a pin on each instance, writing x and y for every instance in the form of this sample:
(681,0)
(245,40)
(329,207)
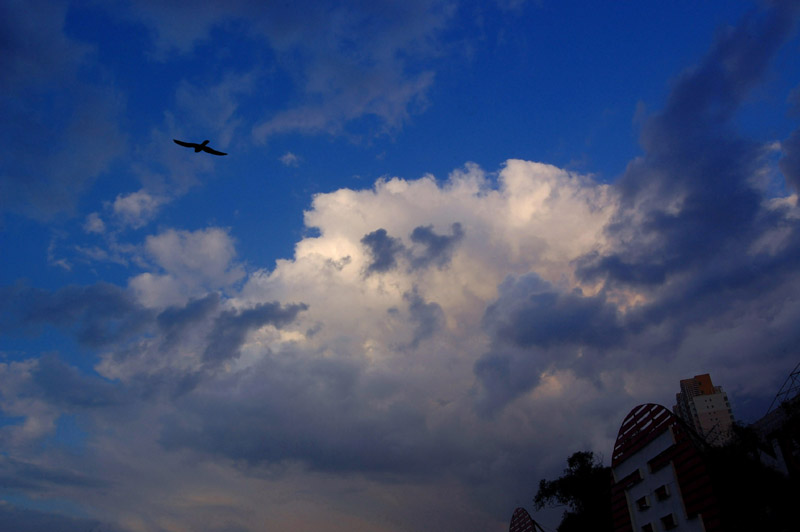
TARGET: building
(661,481)
(705,408)
(522,521)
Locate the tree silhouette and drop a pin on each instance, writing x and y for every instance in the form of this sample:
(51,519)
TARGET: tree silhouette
(751,495)
(585,488)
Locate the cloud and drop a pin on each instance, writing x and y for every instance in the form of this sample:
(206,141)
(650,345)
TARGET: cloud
(137,208)
(214,106)
(468,371)
(56,151)
(383,249)
(436,249)
(99,314)
(534,328)
(193,262)
(231,328)
(790,163)
(16,474)
(94,224)
(531,312)
(690,197)
(64,386)
(428,248)
(348,63)
(290,159)
(696,239)
(505,318)
(35,47)
(427,317)
(30,520)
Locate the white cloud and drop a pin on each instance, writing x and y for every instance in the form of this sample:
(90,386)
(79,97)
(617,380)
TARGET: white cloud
(194,263)
(94,224)
(39,417)
(157,291)
(385,373)
(290,159)
(137,208)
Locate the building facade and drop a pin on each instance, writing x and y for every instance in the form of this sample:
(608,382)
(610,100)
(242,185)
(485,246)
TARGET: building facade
(521,521)
(661,481)
(705,408)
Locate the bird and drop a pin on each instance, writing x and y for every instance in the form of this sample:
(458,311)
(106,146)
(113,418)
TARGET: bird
(199,147)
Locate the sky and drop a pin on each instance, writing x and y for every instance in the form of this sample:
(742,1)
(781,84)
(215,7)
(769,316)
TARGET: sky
(451,244)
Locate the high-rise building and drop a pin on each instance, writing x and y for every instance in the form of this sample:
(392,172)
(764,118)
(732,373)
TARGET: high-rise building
(705,408)
(661,481)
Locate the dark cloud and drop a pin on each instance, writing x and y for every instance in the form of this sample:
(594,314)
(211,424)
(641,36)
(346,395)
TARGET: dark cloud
(691,196)
(429,248)
(534,327)
(28,476)
(34,47)
(65,386)
(503,375)
(108,317)
(434,249)
(531,312)
(327,413)
(384,250)
(21,519)
(790,163)
(231,328)
(60,133)
(427,318)
(101,314)
(175,322)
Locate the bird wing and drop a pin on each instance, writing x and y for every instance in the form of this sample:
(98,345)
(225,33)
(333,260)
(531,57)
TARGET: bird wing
(187,144)
(211,150)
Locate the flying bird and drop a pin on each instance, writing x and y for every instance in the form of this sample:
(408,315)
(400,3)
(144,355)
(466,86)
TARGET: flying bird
(199,147)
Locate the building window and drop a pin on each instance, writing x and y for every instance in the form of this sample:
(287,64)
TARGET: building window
(634,478)
(643,503)
(668,522)
(648,527)
(662,492)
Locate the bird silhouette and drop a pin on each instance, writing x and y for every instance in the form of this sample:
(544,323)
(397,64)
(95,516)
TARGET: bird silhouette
(199,147)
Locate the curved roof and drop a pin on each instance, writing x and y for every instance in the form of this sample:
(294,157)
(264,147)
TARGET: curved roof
(522,521)
(640,426)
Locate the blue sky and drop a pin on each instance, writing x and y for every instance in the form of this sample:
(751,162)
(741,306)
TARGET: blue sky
(452,243)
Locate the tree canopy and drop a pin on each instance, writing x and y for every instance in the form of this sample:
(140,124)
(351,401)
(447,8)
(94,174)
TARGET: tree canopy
(585,488)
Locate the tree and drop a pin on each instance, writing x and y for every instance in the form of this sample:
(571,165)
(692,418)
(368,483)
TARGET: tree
(585,488)
(751,495)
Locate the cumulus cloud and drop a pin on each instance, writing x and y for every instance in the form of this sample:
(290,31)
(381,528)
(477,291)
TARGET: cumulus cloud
(690,197)
(383,249)
(465,368)
(137,208)
(434,249)
(192,262)
(430,334)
